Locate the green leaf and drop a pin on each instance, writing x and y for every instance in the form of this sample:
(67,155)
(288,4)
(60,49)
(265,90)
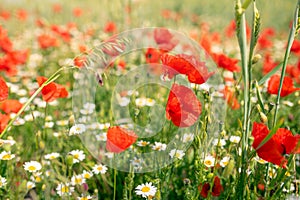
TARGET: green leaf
(268,75)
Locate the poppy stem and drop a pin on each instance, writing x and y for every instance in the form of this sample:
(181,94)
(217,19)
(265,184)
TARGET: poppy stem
(293,32)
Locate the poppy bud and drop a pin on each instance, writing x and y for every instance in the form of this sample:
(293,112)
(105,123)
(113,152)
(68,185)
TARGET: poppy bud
(210,175)
(256,58)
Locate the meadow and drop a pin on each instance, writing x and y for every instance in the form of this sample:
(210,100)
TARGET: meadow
(141,99)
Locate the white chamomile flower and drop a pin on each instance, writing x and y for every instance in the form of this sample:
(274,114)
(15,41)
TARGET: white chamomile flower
(158,146)
(32,166)
(77,180)
(78,156)
(30,185)
(62,122)
(10,142)
(49,124)
(86,174)
(150,102)
(142,143)
(6,155)
(77,129)
(137,162)
(64,189)
(209,161)
(188,137)
(52,156)
(146,190)
(219,143)
(101,137)
(224,162)
(176,153)
(140,102)
(235,139)
(99,169)
(124,101)
(260,160)
(84,197)
(3,181)
(36,177)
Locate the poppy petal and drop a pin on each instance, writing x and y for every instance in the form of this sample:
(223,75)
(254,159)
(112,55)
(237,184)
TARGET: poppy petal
(3,90)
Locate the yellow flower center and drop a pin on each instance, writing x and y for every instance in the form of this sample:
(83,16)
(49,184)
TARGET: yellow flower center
(38,179)
(6,157)
(225,163)
(208,162)
(65,189)
(144,143)
(31,168)
(99,168)
(78,180)
(177,155)
(84,198)
(87,176)
(78,129)
(145,189)
(76,156)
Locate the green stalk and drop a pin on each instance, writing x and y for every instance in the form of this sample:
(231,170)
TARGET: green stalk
(115,184)
(242,39)
(286,57)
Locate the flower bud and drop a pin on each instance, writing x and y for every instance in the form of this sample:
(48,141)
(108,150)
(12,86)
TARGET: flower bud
(69,160)
(256,58)
(263,117)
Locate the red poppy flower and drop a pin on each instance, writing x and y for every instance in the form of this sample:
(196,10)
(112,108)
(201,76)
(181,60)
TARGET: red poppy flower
(46,41)
(296,47)
(196,71)
(79,61)
(119,139)
(57,8)
(3,90)
(264,38)
(5,15)
(183,107)
(22,14)
(230,97)
(230,29)
(152,55)
(225,62)
(4,119)
(110,27)
(165,40)
(282,142)
(52,91)
(216,190)
(269,64)
(77,12)
(10,106)
(287,86)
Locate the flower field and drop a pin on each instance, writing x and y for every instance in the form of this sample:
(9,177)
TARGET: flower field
(140,99)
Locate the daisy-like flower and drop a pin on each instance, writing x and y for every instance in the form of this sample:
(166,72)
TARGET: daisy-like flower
(235,139)
(219,143)
(77,129)
(86,174)
(77,179)
(188,137)
(36,177)
(49,124)
(158,146)
(52,156)
(209,161)
(176,153)
(32,166)
(19,121)
(150,102)
(84,197)
(30,185)
(142,143)
(146,190)
(272,173)
(78,156)
(101,137)
(137,162)
(260,160)
(64,189)
(140,102)
(10,142)
(3,182)
(62,123)
(124,101)
(99,169)
(224,162)
(6,155)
